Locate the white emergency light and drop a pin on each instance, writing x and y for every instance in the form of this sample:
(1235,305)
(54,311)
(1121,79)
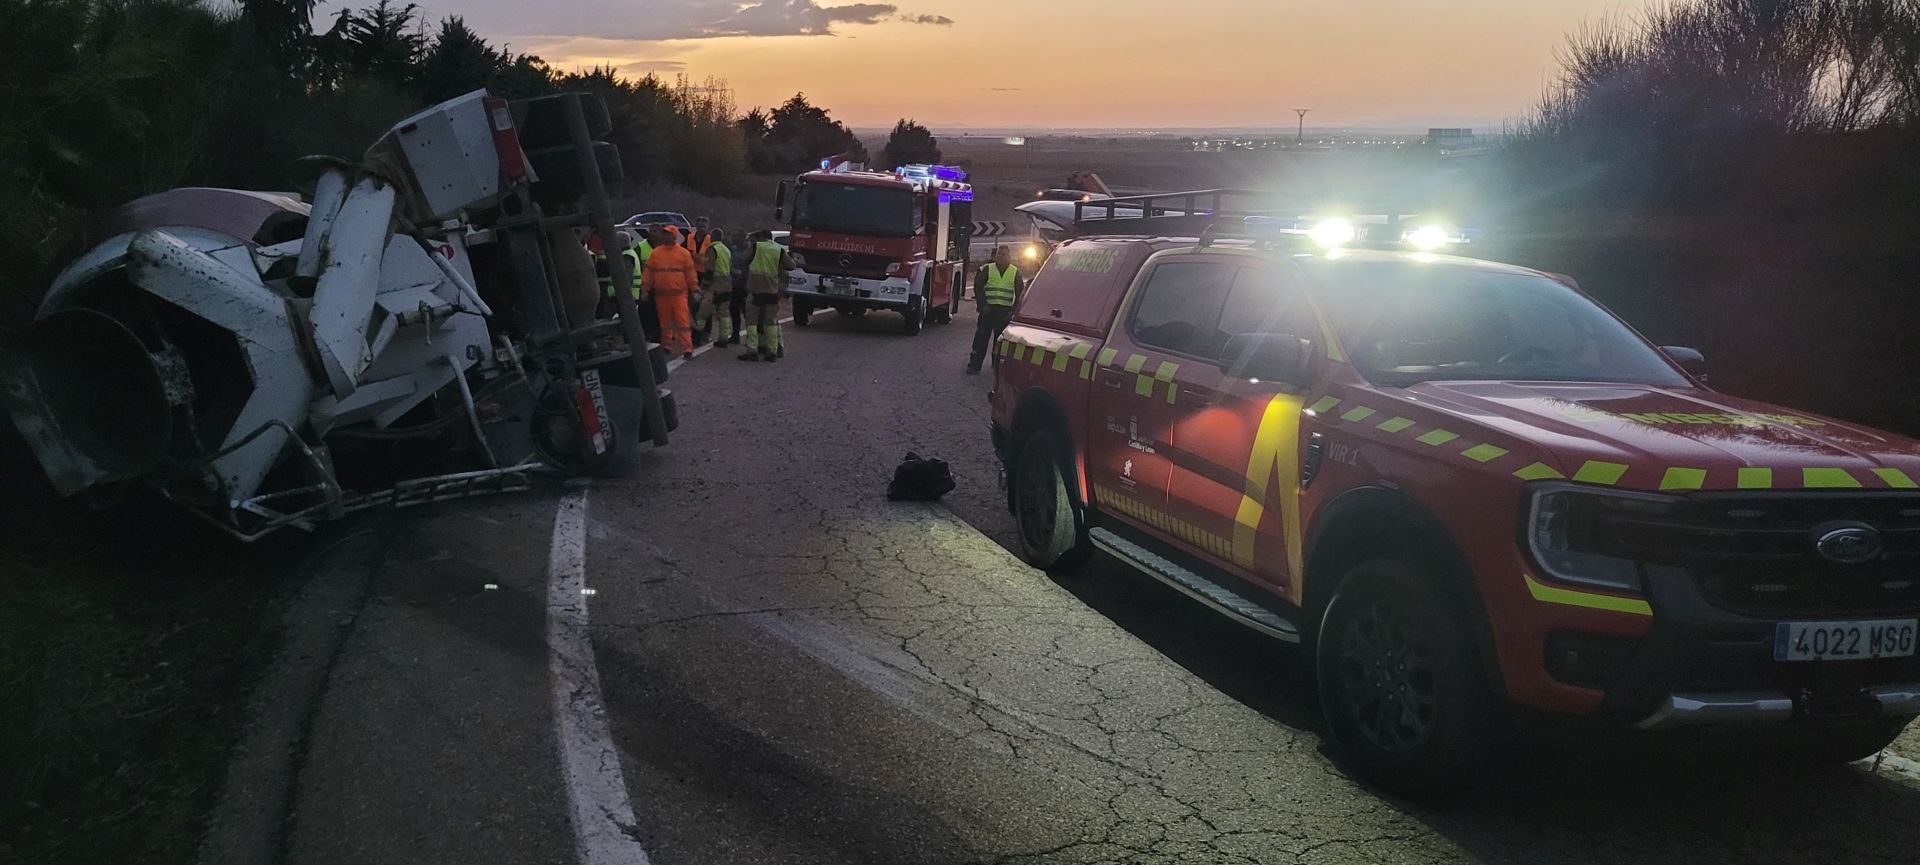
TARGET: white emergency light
(1331,232)
(1428,238)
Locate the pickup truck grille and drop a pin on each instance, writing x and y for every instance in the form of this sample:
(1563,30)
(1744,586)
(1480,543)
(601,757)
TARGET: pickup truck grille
(1754,553)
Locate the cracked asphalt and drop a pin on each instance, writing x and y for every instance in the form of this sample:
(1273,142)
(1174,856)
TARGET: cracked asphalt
(799,671)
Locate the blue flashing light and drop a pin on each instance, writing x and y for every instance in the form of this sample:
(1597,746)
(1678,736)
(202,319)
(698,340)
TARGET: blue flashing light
(962,195)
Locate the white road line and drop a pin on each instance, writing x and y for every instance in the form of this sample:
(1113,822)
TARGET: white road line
(598,803)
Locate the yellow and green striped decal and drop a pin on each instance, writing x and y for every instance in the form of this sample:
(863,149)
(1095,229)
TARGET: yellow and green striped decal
(1273,463)
(1673,478)
(1149,515)
(1591,600)
(1080,352)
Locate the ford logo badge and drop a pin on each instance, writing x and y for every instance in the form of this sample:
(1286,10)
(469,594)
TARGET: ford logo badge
(1848,543)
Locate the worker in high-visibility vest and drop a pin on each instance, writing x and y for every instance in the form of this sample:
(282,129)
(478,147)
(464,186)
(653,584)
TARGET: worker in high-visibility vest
(740,246)
(715,262)
(766,279)
(995,288)
(670,279)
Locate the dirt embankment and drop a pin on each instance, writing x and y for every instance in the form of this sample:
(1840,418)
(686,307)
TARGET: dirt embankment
(128,639)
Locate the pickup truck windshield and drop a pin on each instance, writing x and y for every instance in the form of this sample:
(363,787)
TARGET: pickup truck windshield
(846,208)
(1404,322)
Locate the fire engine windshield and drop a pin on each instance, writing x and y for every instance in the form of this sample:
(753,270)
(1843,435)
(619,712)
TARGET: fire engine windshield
(1403,323)
(847,208)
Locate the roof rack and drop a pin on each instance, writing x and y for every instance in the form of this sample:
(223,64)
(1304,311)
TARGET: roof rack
(1229,213)
(1166,213)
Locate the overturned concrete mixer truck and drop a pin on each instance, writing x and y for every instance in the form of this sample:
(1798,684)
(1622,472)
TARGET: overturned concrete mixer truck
(267,361)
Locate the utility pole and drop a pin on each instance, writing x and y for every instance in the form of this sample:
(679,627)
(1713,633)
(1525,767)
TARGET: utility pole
(1300,134)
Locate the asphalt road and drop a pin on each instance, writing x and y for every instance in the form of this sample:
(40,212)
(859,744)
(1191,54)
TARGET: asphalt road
(796,670)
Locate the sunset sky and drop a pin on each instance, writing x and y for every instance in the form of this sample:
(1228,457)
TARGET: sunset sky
(1074,63)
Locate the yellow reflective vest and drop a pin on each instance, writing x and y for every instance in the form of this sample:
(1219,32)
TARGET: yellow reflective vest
(1000,284)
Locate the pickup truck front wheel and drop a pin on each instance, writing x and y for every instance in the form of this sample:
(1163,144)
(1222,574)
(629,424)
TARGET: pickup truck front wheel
(1051,536)
(1399,680)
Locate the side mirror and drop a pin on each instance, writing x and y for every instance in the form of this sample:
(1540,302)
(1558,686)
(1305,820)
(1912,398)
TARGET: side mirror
(780,204)
(1269,357)
(1689,359)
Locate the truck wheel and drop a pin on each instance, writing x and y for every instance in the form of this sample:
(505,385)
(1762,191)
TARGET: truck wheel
(802,312)
(1051,535)
(1400,683)
(1846,744)
(915,312)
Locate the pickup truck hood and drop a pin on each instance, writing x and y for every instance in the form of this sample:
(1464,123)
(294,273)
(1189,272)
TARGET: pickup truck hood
(1651,430)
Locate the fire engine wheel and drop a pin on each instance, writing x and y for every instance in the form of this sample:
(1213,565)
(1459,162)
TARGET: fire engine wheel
(1399,680)
(802,312)
(1051,535)
(915,313)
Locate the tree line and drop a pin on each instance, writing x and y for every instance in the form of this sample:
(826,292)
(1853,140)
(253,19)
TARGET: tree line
(102,101)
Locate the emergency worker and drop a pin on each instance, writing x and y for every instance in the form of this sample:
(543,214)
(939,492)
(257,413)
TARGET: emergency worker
(699,242)
(742,249)
(715,262)
(766,279)
(995,288)
(670,279)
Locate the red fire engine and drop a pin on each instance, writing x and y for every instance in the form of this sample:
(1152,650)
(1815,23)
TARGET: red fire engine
(878,240)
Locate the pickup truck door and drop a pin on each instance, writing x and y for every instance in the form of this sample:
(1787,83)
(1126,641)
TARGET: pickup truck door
(1134,401)
(1236,470)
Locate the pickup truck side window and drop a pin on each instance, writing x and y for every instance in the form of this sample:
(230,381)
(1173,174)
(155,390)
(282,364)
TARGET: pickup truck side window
(1266,301)
(1179,308)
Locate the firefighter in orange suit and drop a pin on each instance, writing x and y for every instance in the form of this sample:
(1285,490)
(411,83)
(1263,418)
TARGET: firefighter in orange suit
(671,278)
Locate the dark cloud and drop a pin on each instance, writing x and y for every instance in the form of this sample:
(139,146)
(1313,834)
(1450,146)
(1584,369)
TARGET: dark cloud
(936,20)
(795,18)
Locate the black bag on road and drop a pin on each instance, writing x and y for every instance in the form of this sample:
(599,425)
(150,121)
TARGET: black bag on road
(920,480)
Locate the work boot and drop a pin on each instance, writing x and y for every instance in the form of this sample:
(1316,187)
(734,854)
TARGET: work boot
(750,356)
(766,357)
(781,351)
(973,370)
(687,356)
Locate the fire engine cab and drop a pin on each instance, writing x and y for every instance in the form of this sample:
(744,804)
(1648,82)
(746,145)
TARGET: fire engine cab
(866,240)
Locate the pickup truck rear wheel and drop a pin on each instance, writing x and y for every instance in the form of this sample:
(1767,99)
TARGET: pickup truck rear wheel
(1051,534)
(1400,681)
(802,311)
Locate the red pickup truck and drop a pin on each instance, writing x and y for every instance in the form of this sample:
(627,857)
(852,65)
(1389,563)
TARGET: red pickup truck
(1465,488)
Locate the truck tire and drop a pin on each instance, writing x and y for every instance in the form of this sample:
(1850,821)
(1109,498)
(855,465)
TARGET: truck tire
(915,312)
(1053,536)
(1405,700)
(802,312)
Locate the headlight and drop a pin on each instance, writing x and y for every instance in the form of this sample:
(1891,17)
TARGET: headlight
(893,267)
(1033,251)
(798,259)
(1570,531)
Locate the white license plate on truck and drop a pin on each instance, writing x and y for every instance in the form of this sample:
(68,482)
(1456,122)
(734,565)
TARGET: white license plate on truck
(1844,641)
